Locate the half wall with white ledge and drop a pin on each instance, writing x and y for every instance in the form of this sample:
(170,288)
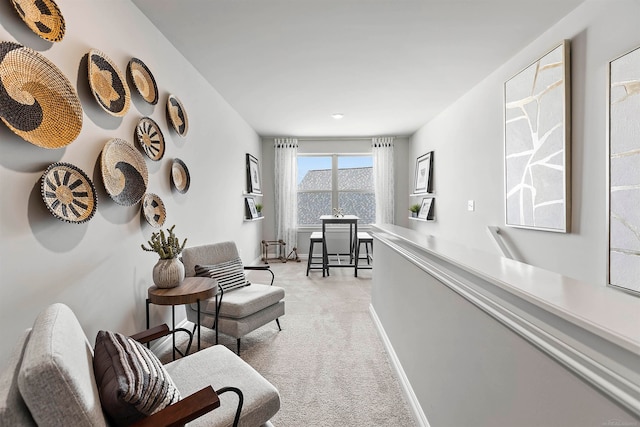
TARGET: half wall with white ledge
(481,340)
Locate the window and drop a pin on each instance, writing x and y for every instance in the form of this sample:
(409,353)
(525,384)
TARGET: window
(333,181)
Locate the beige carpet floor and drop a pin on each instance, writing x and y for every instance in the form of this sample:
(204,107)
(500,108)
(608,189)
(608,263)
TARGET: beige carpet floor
(328,362)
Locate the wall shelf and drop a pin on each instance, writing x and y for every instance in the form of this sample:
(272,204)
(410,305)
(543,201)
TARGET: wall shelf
(414,218)
(260,218)
(245,194)
(422,194)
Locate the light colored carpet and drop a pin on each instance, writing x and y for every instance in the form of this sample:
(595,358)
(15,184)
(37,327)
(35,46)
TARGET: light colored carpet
(328,362)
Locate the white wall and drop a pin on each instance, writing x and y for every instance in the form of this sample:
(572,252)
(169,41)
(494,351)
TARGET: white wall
(468,142)
(331,146)
(98,268)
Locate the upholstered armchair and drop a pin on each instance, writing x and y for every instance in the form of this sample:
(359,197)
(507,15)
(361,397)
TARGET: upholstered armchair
(55,378)
(239,307)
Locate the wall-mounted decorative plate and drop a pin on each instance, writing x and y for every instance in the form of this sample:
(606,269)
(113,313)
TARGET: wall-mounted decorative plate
(177,116)
(150,138)
(124,172)
(180,176)
(143,80)
(68,193)
(108,84)
(43,17)
(153,210)
(37,101)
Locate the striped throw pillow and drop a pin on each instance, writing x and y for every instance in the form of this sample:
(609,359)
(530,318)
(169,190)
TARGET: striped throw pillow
(229,274)
(131,380)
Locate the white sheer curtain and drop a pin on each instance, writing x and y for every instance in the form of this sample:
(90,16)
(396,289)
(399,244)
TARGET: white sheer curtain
(383,179)
(286,191)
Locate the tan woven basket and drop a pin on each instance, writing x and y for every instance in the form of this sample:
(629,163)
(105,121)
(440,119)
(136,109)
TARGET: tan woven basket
(108,84)
(153,210)
(37,102)
(150,138)
(143,80)
(180,176)
(177,116)
(68,193)
(49,24)
(124,172)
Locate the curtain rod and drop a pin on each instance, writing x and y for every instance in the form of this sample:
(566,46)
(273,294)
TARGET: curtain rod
(334,138)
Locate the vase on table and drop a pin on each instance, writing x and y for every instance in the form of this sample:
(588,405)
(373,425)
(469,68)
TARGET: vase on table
(168,273)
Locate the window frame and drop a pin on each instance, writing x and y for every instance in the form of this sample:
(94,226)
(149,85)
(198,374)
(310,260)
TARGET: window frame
(335,192)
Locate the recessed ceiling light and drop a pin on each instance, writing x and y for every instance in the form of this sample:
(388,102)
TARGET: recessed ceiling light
(337,116)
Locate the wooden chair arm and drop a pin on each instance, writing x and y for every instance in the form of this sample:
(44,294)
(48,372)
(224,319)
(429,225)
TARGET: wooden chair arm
(261,268)
(151,334)
(184,411)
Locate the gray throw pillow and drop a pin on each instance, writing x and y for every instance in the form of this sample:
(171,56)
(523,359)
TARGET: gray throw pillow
(131,380)
(229,274)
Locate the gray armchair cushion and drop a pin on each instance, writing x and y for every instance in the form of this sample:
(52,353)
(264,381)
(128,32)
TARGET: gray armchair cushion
(244,302)
(13,411)
(56,376)
(131,380)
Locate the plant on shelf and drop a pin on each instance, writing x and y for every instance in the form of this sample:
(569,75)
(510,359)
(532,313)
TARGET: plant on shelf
(166,247)
(169,270)
(259,208)
(414,210)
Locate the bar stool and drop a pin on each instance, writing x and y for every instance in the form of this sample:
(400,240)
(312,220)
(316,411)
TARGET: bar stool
(366,239)
(312,263)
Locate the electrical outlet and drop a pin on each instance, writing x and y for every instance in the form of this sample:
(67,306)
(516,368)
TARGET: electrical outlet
(471,205)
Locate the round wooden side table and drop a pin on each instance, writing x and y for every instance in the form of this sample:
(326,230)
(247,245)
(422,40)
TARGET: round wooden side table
(191,290)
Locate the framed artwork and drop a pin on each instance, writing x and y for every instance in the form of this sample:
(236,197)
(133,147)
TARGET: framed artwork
(423,173)
(253,175)
(624,172)
(252,212)
(426,208)
(537,144)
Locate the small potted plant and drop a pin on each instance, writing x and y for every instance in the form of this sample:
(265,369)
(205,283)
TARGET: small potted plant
(414,210)
(259,209)
(169,270)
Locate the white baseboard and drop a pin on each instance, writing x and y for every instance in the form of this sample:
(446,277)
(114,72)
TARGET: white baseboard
(410,396)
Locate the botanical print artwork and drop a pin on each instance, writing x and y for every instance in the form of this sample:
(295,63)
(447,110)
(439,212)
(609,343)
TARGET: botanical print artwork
(536,144)
(624,171)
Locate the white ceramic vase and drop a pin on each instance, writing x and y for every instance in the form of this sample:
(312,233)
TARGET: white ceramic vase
(168,273)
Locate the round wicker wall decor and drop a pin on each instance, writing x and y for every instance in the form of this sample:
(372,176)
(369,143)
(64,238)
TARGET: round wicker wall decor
(143,80)
(68,193)
(124,172)
(153,210)
(108,84)
(150,138)
(37,101)
(43,17)
(177,116)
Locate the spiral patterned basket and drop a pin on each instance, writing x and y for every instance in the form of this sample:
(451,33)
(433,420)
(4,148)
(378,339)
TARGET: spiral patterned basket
(37,102)
(153,210)
(68,193)
(124,172)
(177,116)
(43,17)
(143,80)
(150,138)
(108,84)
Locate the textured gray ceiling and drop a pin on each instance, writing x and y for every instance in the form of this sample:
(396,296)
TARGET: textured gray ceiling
(388,65)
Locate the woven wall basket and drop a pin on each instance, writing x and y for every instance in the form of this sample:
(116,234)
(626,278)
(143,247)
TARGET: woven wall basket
(143,80)
(37,101)
(108,84)
(150,138)
(68,193)
(124,172)
(153,210)
(177,116)
(180,177)
(43,17)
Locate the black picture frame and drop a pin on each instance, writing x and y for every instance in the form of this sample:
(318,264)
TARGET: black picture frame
(253,175)
(250,205)
(426,208)
(423,174)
